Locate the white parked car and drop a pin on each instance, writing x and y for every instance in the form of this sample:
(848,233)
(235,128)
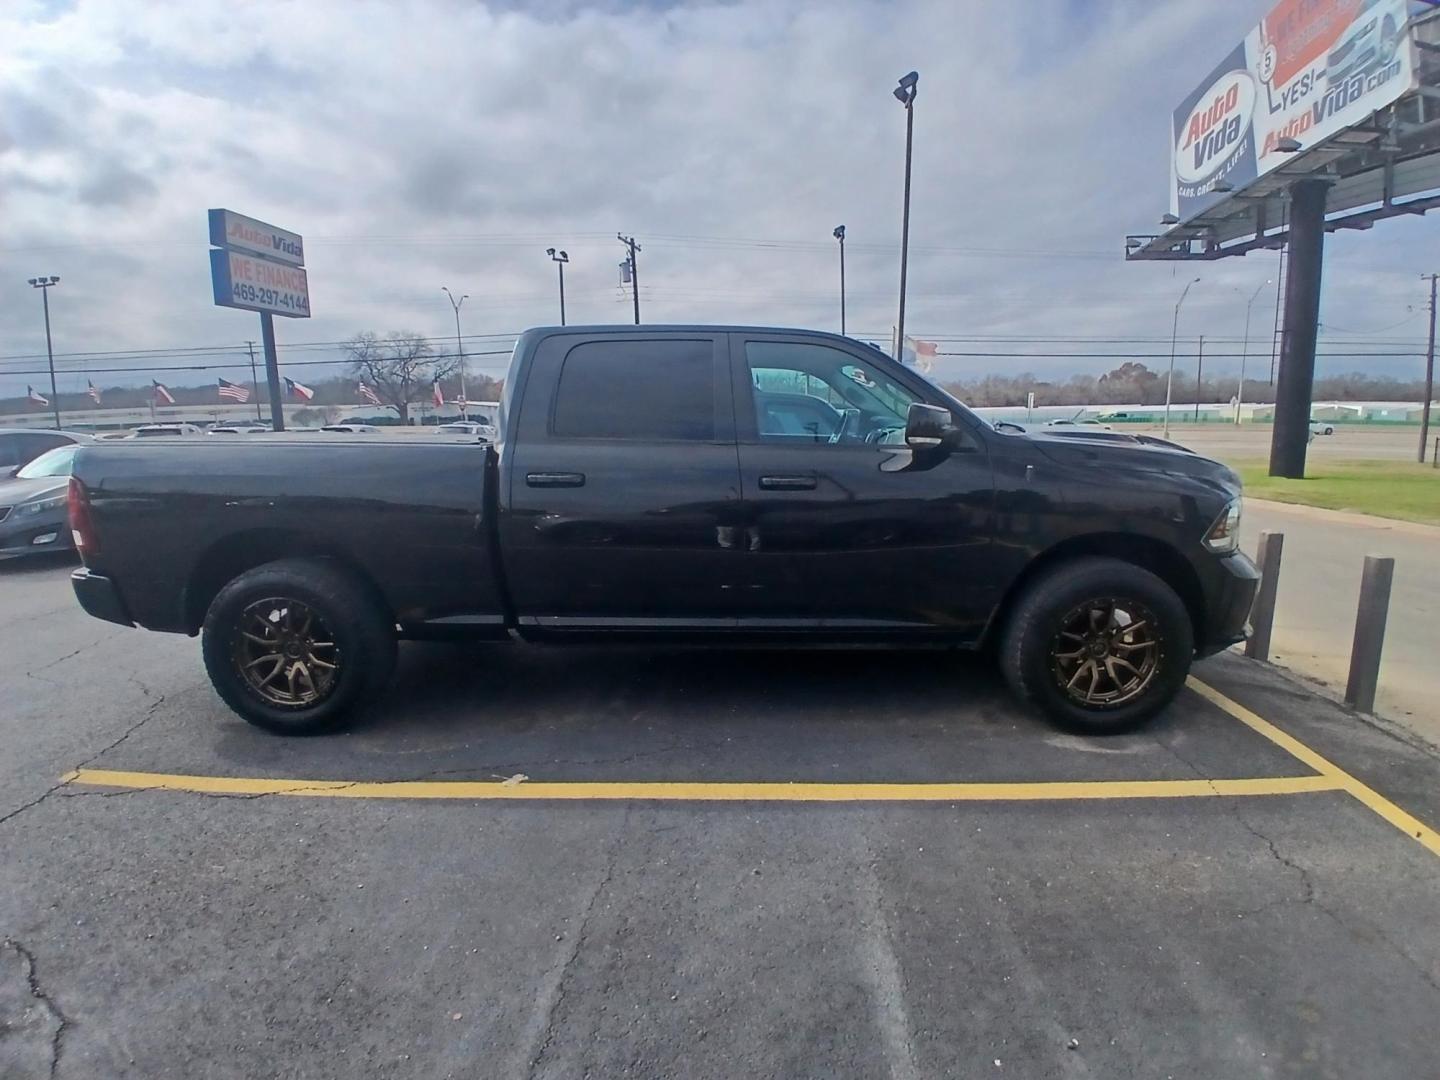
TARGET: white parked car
(239,429)
(1320,427)
(467,427)
(352,429)
(1086,423)
(149,431)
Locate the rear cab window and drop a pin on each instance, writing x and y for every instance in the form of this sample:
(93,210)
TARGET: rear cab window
(661,390)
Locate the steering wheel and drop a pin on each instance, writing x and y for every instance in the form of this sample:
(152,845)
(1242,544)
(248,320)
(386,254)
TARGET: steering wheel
(846,416)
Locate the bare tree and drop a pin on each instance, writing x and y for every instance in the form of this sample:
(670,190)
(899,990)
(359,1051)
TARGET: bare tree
(400,367)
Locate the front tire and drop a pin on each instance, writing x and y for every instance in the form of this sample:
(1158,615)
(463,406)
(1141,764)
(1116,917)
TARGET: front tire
(1099,645)
(295,646)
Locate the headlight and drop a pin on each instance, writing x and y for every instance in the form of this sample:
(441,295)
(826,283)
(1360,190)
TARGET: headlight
(39,506)
(1224,536)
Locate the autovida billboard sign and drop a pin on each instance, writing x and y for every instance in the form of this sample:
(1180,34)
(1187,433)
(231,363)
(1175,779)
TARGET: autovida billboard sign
(258,267)
(1310,69)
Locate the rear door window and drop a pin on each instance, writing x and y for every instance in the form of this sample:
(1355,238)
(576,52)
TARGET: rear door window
(638,391)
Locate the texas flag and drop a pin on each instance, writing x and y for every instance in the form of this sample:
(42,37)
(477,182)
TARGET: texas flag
(436,395)
(162,393)
(919,354)
(35,397)
(298,390)
(93,391)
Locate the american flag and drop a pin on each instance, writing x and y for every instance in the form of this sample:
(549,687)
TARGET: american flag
(367,392)
(162,393)
(93,391)
(234,391)
(299,390)
(436,395)
(34,397)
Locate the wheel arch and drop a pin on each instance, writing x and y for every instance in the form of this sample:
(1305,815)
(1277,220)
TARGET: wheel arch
(228,558)
(1156,556)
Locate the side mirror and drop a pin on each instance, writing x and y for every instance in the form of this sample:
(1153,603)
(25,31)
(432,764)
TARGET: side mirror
(926,425)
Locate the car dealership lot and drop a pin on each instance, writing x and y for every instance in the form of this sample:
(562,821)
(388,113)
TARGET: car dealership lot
(809,901)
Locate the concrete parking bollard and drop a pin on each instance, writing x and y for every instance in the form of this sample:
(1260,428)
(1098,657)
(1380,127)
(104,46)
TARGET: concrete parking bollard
(1369,632)
(1262,615)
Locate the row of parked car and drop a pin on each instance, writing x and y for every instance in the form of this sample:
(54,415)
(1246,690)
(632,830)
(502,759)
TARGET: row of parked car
(478,428)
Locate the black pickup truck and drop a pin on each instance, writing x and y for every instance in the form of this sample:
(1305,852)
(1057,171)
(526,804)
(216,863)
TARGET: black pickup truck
(671,483)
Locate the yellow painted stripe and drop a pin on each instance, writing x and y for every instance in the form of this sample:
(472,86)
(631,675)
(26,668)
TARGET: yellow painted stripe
(1407,823)
(708,792)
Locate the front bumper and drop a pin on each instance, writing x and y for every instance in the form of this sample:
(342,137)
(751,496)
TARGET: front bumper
(99,597)
(1231,594)
(25,534)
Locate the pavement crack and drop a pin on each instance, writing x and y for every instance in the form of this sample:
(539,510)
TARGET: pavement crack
(553,991)
(1307,885)
(38,992)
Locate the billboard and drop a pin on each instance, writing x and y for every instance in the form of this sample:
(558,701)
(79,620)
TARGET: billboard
(244,281)
(238,232)
(1310,69)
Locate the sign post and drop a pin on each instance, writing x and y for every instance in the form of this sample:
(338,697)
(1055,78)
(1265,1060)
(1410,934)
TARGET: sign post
(258,267)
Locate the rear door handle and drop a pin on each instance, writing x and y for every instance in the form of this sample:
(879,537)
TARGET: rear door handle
(555,479)
(791,482)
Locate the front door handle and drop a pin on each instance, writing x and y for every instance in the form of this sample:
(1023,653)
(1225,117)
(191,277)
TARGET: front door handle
(788,482)
(555,479)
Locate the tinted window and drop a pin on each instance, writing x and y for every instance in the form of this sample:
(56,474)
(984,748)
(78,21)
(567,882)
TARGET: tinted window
(9,451)
(35,443)
(640,390)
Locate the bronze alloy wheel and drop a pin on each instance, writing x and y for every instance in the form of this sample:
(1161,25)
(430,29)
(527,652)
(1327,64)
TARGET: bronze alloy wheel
(1107,652)
(285,654)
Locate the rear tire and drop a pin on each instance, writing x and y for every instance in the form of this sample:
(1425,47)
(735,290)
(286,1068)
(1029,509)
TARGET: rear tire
(295,646)
(1098,645)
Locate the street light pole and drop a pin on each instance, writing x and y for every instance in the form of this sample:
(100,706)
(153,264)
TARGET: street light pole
(839,234)
(905,94)
(559,258)
(1245,350)
(1429,374)
(44,284)
(459,350)
(1174,329)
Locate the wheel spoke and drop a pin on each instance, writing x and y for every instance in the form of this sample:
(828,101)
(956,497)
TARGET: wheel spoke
(262,659)
(279,666)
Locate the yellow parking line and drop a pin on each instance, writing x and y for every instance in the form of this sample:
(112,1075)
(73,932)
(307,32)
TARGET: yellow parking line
(1408,824)
(710,792)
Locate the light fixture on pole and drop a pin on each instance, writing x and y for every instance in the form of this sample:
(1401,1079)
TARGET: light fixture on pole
(1245,349)
(1174,329)
(905,94)
(459,349)
(44,284)
(560,259)
(839,234)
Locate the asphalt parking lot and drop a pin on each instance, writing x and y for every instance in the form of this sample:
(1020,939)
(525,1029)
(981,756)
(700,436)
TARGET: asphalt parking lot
(697,864)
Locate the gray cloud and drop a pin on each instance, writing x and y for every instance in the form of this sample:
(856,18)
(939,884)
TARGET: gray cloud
(451,143)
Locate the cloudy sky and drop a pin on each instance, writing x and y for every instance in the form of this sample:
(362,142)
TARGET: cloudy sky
(450,142)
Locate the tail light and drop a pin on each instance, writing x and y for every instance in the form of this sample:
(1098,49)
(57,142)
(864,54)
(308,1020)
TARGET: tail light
(82,527)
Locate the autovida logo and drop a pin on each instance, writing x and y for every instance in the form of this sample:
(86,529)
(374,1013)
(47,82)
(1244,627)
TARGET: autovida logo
(1218,128)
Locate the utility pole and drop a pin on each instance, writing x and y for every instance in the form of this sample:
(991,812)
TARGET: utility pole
(254,380)
(632,247)
(839,234)
(905,94)
(44,284)
(459,350)
(559,258)
(1199,372)
(1429,376)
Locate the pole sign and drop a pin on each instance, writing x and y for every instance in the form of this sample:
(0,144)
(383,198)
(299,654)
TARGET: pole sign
(240,233)
(257,267)
(1311,69)
(243,281)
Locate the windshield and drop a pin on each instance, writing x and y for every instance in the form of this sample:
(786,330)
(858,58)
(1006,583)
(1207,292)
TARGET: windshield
(55,462)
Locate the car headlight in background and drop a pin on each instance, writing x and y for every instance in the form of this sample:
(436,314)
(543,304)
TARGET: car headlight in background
(39,506)
(1224,536)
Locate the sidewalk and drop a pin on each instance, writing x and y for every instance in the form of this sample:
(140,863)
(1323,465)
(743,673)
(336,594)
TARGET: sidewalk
(1320,586)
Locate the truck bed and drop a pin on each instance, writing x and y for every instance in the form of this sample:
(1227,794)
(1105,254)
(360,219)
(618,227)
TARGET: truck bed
(174,517)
